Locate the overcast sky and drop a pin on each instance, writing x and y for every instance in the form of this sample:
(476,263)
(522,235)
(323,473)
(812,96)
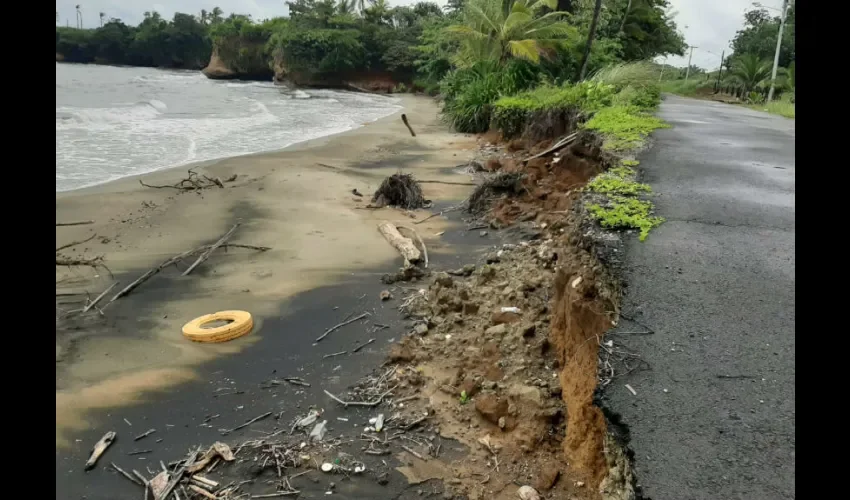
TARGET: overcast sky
(709,25)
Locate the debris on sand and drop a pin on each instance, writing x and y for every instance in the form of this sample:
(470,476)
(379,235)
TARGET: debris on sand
(493,188)
(399,190)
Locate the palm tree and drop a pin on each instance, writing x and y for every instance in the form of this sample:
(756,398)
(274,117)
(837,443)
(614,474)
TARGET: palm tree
(203,17)
(590,34)
(749,71)
(79,17)
(215,15)
(102,15)
(346,7)
(498,30)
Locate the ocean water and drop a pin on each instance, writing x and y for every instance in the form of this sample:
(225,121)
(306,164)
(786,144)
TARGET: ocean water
(115,122)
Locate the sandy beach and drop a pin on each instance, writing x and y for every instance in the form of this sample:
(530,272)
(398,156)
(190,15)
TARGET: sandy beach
(297,201)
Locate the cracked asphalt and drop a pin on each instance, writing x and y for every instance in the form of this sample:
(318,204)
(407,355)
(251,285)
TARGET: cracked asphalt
(714,415)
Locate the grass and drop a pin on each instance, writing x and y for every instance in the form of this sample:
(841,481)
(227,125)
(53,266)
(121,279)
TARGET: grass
(781,107)
(621,208)
(624,127)
(687,88)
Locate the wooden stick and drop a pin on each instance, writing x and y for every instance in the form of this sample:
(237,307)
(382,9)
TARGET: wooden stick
(144,434)
(204,256)
(414,453)
(124,473)
(421,243)
(449,183)
(326,356)
(97,299)
(278,494)
(246,424)
(202,492)
(73,243)
(336,327)
(406,124)
(178,475)
(563,142)
(141,477)
(99,448)
(361,346)
(360,403)
(77,223)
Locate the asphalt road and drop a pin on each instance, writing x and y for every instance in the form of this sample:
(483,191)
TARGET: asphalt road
(714,415)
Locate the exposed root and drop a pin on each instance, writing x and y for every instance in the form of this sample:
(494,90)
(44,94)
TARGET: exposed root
(400,190)
(493,188)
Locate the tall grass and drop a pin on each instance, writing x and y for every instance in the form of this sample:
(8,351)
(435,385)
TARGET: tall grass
(687,87)
(782,107)
(635,74)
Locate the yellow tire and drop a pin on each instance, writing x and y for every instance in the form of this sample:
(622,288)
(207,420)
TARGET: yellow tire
(240,324)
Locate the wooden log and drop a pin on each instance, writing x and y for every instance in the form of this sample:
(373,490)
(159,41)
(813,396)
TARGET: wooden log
(99,448)
(404,245)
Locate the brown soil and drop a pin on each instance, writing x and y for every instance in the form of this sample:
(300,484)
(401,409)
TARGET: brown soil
(526,379)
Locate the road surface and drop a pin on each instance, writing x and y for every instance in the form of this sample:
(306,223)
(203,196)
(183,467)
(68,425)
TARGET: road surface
(714,415)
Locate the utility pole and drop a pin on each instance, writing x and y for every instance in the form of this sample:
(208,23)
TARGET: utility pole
(785,7)
(688,71)
(719,73)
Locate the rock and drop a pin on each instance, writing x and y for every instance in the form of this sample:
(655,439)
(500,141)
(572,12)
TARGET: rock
(385,295)
(444,280)
(482,233)
(470,308)
(488,384)
(420,328)
(502,423)
(500,317)
(493,258)
(491,408)
(528,493)
(400,352)
(499,329)
(548,477)
(555,387)
(471,387)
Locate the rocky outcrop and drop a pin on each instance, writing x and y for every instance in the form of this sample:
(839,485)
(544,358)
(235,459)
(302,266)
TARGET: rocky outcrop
(236,60)
(368,81)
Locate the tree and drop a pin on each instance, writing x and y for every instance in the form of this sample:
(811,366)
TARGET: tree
(759,36)
(590,34)
(79,17)
(497,30)
(102,15)
(749,71)
(216,16)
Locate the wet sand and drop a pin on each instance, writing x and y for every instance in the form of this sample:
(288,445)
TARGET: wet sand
(319,234)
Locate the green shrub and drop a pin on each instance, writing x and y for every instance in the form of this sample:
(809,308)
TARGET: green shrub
(624,127)
(623,212)
(634,74)
(647,97)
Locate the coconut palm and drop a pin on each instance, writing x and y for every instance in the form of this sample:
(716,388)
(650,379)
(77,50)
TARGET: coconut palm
(498,30)
(749,71)
(590,34)
(102,15)
(216,15)
(346,7)
(79,17)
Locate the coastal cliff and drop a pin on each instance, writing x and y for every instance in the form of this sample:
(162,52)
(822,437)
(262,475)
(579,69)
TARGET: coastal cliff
(234,59)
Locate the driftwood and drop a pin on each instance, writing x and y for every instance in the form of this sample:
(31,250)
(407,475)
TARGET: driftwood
(99,448)
(204,256)
(75,243)
(404,245)
(419,239)
(336,327)
(173,260)
(76,223)
(193,182)
(177,476)
(406,124)
(125,474)
(97,299)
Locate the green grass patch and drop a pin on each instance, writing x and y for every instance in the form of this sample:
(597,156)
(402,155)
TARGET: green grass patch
(624,127)
(782,108)
(611,183)
(623,212)
(688,88)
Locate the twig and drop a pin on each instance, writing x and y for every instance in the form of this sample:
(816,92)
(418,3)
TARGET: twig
(97,299)
(202,492)
(361,346)
(139,452)
(246,424)
(142,478)
(416,422)
(406,124)
(336,327)
(144,434)
(178,475)
(634,393)
(204,256)
(77,223)
(278,494)
(124,473)
(74,243)
(414,453)
(340,353)
(361,403)
(449,183)
(441,212)
(419,239)
(734,376)
(561,143)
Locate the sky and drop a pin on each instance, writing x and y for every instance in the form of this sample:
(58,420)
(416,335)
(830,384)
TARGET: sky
(708,25)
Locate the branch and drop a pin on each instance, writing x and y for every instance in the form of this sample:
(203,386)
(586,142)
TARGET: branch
(74,243)
(77,223)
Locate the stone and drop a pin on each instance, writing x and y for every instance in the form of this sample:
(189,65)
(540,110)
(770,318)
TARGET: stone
(502,423)
(548,477)
(528,493)
(500,317)
(399,352)
(470,308)
(444,280)
(499,329)
(420,328)
(385,295)
(491,408)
